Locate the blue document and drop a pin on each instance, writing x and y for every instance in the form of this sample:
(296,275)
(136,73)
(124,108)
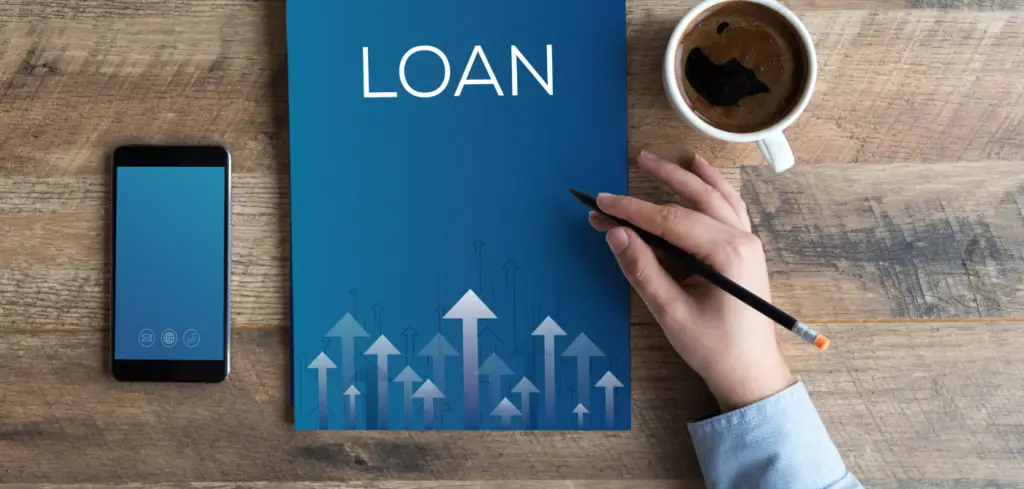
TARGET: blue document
(443,277)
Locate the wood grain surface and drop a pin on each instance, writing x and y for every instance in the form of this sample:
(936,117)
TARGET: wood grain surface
(577,484)
(899,234)
(865,241)
(561,484)
(902,402)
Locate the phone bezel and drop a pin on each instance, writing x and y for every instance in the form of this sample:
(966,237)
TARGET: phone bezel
(171,370)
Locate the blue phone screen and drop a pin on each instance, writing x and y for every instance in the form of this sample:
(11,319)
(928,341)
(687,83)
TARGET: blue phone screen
(169,273)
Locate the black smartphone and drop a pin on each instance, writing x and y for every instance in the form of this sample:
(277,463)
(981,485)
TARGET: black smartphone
(170,266)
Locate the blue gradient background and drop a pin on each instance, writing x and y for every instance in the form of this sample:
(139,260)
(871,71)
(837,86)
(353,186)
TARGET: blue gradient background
(170,260)
(401,205)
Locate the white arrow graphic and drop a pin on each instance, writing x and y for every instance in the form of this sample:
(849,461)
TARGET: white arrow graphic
(493,368)
(382,348)
(322,363)
(438,350)
(470,309)
(407,377)
(524,388)
(348,329)
(583,349)
(505,410)
(549,329)
(428,392)
(609,383)
(351,394)
(579,412)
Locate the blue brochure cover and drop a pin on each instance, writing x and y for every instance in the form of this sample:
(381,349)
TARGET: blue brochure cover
(443,277)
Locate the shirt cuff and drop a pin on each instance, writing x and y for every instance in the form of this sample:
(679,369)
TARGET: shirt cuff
(779,441)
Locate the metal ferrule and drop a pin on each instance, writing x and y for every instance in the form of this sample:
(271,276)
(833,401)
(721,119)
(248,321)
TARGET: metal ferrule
(808,334)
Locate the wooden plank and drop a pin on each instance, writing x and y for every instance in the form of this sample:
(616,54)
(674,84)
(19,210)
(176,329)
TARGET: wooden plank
(53,258)
(921,405)
(574,484)
(898,240)
(107,10)
(886,240)
(520,484)
(932,403)
(72,423)
(843,242)
(989,5)
(78,78)
(922,85)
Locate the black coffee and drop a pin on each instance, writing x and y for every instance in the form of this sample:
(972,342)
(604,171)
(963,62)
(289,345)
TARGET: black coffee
(742,66)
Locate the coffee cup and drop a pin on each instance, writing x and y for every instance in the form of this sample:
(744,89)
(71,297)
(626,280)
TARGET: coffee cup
(684,97)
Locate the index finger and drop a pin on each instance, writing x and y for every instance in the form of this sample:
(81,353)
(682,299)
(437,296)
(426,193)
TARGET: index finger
(690,230)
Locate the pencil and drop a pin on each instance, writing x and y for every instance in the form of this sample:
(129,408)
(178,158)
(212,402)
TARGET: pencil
(711,275)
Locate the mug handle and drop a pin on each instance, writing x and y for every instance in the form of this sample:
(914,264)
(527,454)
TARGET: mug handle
(776,150)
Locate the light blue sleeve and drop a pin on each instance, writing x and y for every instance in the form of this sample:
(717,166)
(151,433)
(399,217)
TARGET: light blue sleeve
(776,442)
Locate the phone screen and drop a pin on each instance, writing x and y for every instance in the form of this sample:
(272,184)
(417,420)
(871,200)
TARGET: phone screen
(170,260)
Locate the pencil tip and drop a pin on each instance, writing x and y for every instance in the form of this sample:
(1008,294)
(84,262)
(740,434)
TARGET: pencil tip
(582,197)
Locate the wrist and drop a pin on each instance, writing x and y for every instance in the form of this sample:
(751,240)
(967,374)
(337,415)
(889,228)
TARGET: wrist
(745,388)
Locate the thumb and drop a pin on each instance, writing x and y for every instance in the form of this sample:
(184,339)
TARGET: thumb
(663,296)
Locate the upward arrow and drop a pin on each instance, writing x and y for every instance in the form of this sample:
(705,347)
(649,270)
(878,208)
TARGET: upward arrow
(348,329)
(579,412)
(322,363)
(505,410)
(351,394)
(525,388)
(470,309)
(382,348)
(510,268)
(378,316)
(583,349)
(609,383)
(549,329)
(494,368)
(407,377)
(407,333)
(428,392)
(438,349)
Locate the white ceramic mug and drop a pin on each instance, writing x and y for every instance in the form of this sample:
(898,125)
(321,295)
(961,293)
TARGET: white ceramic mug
(770,140)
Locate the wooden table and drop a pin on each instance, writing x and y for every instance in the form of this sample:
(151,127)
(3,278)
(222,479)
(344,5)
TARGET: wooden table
(899,234)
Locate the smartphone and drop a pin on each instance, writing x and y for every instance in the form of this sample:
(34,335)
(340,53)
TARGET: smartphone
(170,266)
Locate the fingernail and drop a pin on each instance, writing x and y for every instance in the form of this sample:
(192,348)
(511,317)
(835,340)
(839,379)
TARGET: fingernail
(617,239)
(647,157)
(605,198)
(698,160)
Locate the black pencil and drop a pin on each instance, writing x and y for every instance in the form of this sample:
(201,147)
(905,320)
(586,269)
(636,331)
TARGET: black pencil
(711,275)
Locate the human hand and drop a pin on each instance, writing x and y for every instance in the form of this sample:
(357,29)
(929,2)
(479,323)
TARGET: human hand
(729,344)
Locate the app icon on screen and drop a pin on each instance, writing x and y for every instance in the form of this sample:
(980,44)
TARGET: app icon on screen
(190,338)
(147,337)
(169,338)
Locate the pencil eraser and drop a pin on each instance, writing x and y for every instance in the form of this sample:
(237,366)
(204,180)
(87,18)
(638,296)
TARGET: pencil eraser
(821,342)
